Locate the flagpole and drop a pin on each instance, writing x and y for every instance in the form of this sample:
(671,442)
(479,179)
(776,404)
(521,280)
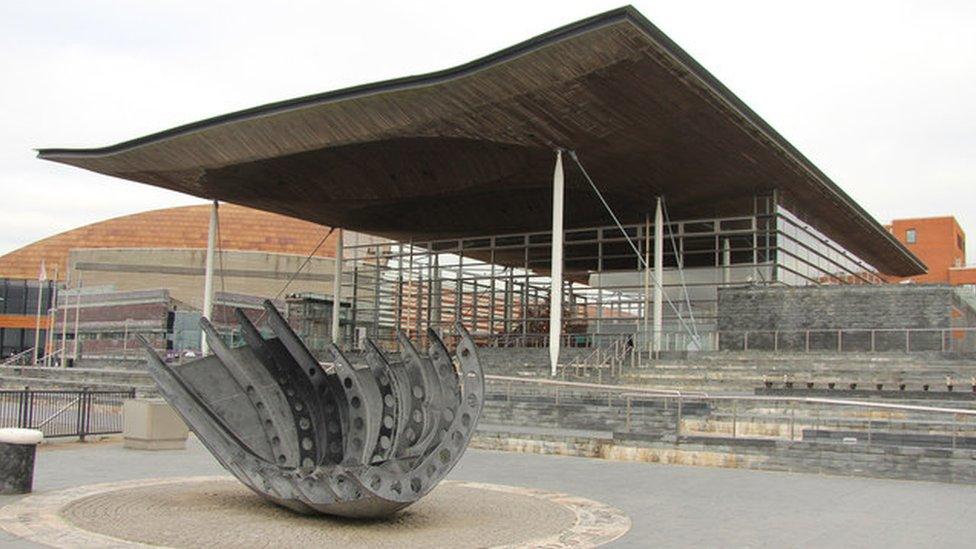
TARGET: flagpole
(37,320)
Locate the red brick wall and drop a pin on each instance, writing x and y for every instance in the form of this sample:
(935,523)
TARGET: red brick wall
(937,245)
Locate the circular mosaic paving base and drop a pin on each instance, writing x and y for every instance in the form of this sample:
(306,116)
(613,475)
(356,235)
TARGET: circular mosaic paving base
(220,512)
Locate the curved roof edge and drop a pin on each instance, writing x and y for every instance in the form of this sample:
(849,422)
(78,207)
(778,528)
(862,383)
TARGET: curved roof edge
(625,13)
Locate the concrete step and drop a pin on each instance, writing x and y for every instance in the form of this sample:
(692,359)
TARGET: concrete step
(918,440)
(120,377)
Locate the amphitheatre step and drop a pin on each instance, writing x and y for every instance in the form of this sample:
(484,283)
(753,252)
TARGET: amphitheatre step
(920,440)
(121,377)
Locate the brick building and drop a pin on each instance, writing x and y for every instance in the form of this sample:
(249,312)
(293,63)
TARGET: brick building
(18,313)
(183,228)
(159,256)
(941,244)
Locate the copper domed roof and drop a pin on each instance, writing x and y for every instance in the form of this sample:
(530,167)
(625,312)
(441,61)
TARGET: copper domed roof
(183,227)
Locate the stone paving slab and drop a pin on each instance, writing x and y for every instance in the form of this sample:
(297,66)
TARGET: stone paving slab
(669,506)
(221,512)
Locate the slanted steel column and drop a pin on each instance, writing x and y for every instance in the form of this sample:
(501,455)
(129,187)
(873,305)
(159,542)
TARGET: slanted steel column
(208,275)
(337,290)
(658,275)
(556,271)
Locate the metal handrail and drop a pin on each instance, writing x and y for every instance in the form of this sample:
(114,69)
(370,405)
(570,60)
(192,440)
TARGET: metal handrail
(829,401)
(603,354)
(13,360)
(619,389)
(629,394)
(63,409)
(635,391)
(671,340)
(53,356)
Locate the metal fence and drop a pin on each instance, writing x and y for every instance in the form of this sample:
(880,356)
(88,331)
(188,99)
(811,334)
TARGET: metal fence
(700,414)
(64,413)
(953,340)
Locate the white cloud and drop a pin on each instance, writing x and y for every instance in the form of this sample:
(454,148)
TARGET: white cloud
(878,94)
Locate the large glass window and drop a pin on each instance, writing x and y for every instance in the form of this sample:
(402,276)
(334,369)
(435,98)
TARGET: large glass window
(807,256)
(15,300)
(910,236)
(499,285)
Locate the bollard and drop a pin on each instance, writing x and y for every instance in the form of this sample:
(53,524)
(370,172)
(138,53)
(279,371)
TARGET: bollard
(17,450)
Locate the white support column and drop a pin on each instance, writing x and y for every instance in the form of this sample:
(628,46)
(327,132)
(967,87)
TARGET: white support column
(726,261)
(208,275)
(52,319)
(337,289)
(77,321)
(658,275)
(556,271)
(37,319)
(64,324)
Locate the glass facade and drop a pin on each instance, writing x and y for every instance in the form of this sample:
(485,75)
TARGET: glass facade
(498,285)
(18,306)
(806,256)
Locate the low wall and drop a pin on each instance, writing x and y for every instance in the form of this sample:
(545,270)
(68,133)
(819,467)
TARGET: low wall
(830,458)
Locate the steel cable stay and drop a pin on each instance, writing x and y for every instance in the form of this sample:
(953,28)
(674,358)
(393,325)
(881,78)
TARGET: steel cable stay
(643,262)
(681,271)
(301,267)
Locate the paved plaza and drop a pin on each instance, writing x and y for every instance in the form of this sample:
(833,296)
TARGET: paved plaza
(669,506)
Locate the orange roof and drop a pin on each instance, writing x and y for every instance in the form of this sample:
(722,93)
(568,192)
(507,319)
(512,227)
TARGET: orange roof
(183,227)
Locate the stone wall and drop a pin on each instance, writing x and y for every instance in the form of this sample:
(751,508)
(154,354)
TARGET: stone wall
(830,458)
(829,313)
(834,307)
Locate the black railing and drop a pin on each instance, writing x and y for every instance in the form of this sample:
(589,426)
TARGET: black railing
(74,413)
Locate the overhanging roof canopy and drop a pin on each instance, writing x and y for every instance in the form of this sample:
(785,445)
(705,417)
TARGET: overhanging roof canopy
(469,150)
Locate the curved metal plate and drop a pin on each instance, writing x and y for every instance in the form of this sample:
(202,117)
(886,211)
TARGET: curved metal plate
(348,439)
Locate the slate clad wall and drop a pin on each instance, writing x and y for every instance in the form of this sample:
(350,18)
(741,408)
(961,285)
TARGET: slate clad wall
(827,309)
(834,307)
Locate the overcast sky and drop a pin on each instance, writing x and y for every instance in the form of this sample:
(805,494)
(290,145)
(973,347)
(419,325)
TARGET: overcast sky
(880,95)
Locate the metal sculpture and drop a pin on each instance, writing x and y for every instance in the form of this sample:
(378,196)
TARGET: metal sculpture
(355,440)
